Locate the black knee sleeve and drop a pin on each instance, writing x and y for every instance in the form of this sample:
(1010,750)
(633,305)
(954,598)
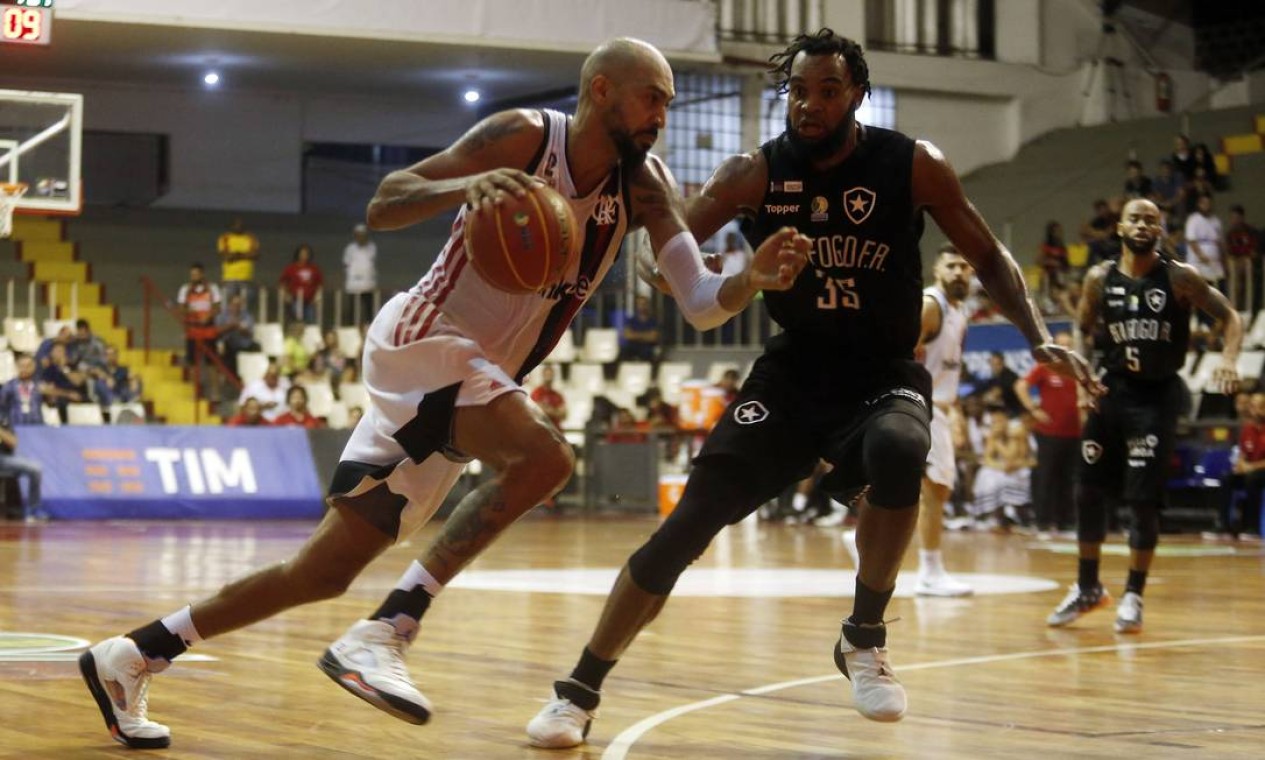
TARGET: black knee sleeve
(1146,527)
(895,454)
(1091,514)
(721,490)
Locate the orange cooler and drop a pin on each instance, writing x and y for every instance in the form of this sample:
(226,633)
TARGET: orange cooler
(670,489)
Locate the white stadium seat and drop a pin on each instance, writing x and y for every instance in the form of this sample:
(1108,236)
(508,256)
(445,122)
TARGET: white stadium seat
(587,378)
(251,366)
(54,326)
(717,370)
(22,334)
(320,397)
(634,377)
(271,338)
(601,345)
(131,413)
(354,394)
(671,375)
(84,414)
(8,366)
(50,415)
(350,342)
(1255,337)
(312,339)
(336,417)
(564,352)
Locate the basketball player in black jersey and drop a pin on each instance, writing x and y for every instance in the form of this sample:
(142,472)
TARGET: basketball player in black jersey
(840,383)
(1139,310)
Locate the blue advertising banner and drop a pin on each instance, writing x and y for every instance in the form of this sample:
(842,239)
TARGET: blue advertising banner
(982,340)
(160,472)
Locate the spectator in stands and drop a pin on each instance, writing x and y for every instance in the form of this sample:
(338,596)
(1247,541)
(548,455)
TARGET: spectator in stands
(332,354)
(1203,160)
(350,374)
(86,351)
(1055,269)
(1136,184)
(22,397)
(360,281)
(297,412)
(62,338)
(112,382)
(999,388)
(269,391)
(1168,190)
(990,478)
(61,383)
(1199,186)
(1205,244)
(238,250)
(659,414)
(199,303)
(1097,232)
(1057,425)
(315,373)
(235,328)
(14,466)
(1243,243)
(624,429)
(641,334)
(294,356)
(301,282)
(550,401)
(1183,159)
(1248,481)
(249,415)
(730,383)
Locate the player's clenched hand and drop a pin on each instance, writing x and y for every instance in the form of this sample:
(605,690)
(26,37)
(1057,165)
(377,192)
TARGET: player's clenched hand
(779,260)
(1069,364)
(489,188)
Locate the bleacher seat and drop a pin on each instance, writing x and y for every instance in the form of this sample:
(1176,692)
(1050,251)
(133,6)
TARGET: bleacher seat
(350,342)
(50,415)
(564,352)
(634,377)
(671,375)
(587,378)
(8,366)
(4,343)
(1187,372)
(601,345)
(271,338)
(1255,337)
(1202,374)
(320,397)
(251,365)
(337,417)
(131,413)
(84,414)
(1249,364)
(716,370)
(312,339)
(22,334)
(54,326)
(579,409)
(354,394)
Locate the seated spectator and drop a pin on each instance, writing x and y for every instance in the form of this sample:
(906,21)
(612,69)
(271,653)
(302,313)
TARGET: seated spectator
(14,466)
(729,383)
(113,383)
(623,428)
(1168,190)
(1097,232)
(296,412)
(85,351)
(301,281)
(1198,187)
(268,391)
(22,397)
(294,356)
(350,374)
(1182,159)
(249,415)
(998,389)
(315,373)
(1136,184)
(550,401)
(235,328)
(62,385)
(334,357)
(62,338)
(1203,160)
(641,334)
(659,414)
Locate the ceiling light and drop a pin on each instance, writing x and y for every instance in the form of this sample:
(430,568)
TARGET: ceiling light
(211,78)
(471,96)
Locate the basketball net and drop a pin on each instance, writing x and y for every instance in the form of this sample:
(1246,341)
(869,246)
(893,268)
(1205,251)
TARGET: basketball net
(10,194)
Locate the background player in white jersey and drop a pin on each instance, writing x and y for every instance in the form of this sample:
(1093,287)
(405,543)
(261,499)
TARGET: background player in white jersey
(940,350)
(443,364)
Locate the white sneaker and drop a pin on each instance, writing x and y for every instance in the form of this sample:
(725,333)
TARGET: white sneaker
(941,584)
(850,543)
(1129,613)
(560,724)
(876,693)
(118,676)
(368,661)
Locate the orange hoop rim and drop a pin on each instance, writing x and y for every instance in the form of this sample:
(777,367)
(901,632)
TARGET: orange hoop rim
(12,189)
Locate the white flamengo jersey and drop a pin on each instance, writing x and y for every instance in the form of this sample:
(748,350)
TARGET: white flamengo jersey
(944,352)
(517,332)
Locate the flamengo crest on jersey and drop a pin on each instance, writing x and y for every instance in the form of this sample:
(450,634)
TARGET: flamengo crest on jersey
(944,352)
(517,332)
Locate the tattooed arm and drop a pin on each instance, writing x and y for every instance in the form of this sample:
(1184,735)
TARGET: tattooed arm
(1191,289)
(484,163)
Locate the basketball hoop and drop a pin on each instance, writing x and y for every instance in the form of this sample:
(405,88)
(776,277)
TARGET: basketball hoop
(10,194)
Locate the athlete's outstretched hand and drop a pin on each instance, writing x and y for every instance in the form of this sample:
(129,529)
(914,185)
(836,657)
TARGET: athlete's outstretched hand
(1225,379)
(779,260)
(1069,364)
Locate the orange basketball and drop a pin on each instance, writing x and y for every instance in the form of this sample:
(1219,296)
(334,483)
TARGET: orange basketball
(523,244)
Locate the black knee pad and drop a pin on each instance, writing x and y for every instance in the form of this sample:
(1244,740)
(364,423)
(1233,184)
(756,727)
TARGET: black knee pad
(1091,514)
(895,455)
(1146,527)
(721,490)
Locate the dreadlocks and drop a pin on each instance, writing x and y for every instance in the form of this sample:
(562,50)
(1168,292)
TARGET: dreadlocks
(824,42)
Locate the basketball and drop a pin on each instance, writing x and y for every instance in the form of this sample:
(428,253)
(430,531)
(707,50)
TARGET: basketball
(523,244)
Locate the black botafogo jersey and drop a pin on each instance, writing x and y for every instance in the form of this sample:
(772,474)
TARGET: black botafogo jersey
(860,296)
(1145,330)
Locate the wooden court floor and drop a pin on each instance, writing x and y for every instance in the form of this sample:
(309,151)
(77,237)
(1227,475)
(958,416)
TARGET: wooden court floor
(740,668)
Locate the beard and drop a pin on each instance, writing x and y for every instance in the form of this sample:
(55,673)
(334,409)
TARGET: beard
(822,147)
(1140,247)
(958,291)
(631,155)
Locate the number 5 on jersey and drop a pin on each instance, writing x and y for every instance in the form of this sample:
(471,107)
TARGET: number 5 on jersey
(840,293)
(1132,359)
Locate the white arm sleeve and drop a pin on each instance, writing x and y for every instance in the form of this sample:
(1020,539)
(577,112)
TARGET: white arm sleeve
(697,289)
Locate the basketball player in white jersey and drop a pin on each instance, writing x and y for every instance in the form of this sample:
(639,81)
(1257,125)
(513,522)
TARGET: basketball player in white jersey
(940,350)
(443,364)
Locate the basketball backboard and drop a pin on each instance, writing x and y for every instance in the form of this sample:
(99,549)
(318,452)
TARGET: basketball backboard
(41,137)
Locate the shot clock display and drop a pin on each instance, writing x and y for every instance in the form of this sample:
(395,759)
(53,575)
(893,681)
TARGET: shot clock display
(26,22)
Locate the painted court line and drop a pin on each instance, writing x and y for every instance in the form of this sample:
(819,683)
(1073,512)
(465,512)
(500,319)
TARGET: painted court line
(621,744)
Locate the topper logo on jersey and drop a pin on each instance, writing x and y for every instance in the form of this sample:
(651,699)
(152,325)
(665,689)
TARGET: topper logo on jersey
(1091,451)
(781,208)
(1156,298)
(750,412)
(858,203)
(604,211)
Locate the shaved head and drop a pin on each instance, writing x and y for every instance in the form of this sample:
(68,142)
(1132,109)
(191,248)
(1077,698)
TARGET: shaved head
(616,59)
(1141,205)
(626,86)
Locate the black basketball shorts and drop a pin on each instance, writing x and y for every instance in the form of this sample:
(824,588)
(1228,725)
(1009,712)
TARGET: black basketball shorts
(1128,440)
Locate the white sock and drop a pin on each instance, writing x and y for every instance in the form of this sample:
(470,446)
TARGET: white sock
(415,576)
(930,561)
(799,502)
(180,623)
